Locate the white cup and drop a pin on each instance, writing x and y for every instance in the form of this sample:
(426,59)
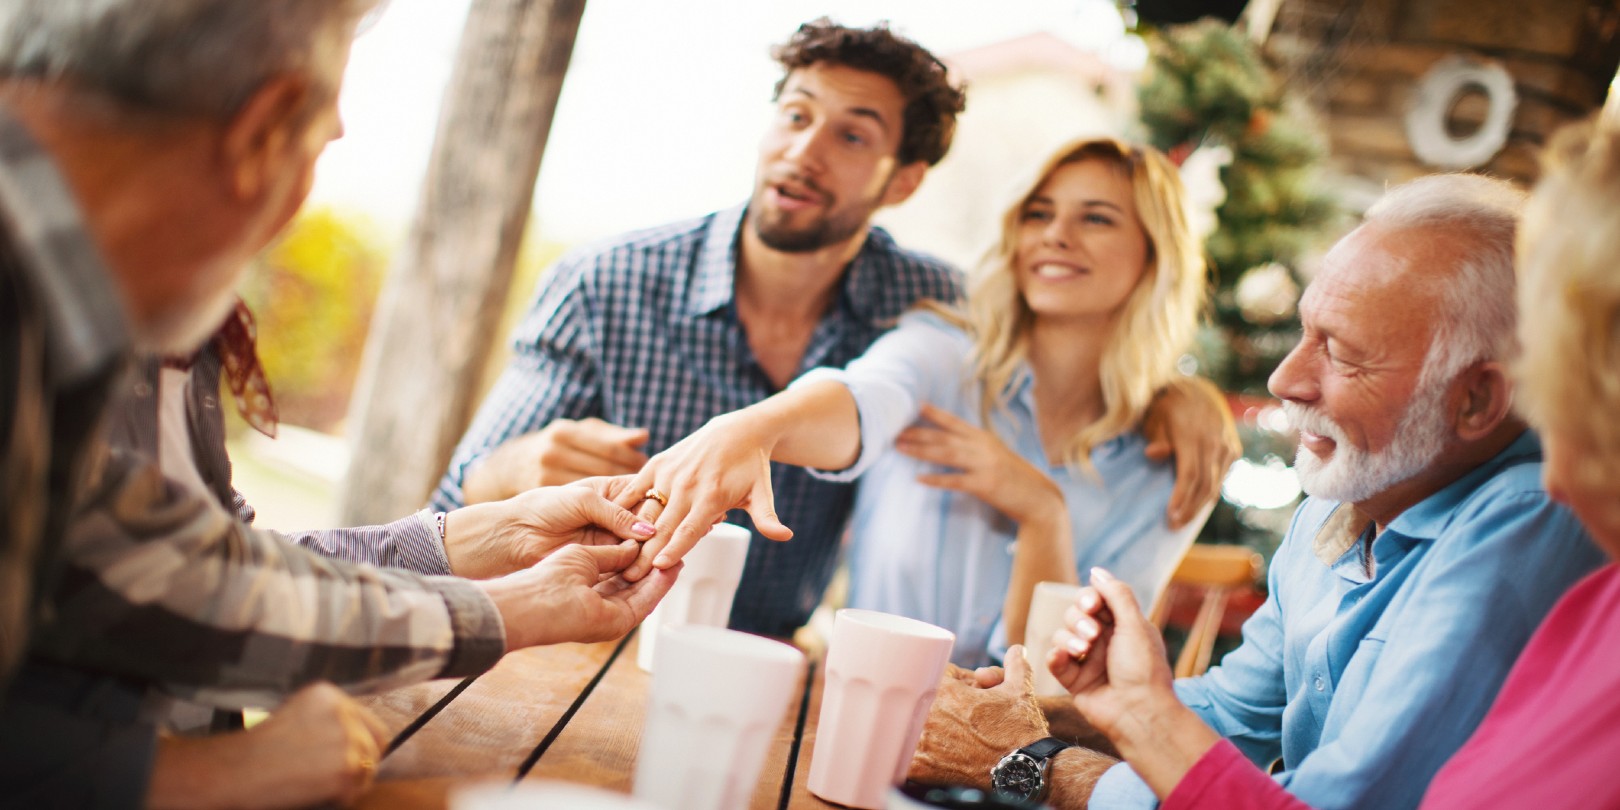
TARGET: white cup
(882,673)
(1046,608)
(541,793)
(718,698)
(703,592)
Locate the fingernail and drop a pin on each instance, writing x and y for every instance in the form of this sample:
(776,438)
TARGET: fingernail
(1076,647)
(1101,575)
(661,561)
(644,528)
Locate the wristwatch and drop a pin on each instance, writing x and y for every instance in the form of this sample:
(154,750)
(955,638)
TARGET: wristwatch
(1022,774)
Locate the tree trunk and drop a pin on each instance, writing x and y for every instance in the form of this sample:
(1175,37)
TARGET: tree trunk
(440,306)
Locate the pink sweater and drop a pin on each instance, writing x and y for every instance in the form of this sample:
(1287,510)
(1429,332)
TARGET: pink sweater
(1552,739)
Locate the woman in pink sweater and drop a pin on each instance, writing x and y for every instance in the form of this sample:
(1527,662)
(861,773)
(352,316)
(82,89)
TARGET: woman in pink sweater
(1552,739)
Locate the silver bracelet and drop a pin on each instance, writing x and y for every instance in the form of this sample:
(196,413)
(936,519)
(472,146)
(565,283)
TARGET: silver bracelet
(438,523)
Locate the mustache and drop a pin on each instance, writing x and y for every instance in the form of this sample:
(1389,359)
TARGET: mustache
(794,178)
(1310,421)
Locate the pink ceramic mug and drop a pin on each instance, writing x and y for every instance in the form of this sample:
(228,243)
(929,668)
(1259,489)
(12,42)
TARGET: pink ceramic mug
(882,673)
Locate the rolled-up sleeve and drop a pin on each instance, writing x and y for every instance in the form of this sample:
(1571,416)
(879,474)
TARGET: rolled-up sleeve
(893,379)
(162,584)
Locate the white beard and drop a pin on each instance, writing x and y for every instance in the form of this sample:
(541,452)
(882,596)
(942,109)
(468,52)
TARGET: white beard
(1353,475)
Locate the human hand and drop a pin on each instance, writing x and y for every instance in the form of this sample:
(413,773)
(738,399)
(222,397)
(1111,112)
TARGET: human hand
(490,539)
(560,453)
(1110,658)
(320,748)
(725,464)
(1189,419)
(987,468)
(978,717)
(576,594)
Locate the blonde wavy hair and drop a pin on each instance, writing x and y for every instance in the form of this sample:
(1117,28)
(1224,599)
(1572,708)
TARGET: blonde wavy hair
(1156,323)
(1569,295)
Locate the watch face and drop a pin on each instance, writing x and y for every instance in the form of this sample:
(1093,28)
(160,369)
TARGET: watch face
(1018,775)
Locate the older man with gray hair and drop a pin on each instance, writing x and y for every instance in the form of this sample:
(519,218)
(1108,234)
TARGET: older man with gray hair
(147,152)
(1425,556)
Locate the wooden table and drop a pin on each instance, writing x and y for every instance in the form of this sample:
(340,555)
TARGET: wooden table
(572,712)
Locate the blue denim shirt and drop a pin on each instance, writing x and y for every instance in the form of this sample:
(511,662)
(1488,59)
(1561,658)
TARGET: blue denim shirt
(1365,686)
(945,557)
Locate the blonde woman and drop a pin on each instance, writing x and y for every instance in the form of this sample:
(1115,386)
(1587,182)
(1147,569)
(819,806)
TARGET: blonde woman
(999,447)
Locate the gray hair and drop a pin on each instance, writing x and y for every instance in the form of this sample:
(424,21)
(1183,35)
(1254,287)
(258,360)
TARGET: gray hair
(1477,315)
(179,56)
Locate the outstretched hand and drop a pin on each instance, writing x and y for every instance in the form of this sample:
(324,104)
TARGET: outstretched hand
(721,466)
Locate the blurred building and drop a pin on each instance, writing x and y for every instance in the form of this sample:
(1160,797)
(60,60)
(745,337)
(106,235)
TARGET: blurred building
(1026,97)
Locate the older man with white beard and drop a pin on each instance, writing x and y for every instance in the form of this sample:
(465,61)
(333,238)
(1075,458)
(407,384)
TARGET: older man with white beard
(1411,577)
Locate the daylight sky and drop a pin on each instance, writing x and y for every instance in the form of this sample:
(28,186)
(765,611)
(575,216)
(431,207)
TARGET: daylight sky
(662,107)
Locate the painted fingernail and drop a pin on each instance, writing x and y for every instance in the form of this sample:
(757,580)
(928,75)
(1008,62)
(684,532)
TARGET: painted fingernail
(1101,575)
(1076,647)
(644,528)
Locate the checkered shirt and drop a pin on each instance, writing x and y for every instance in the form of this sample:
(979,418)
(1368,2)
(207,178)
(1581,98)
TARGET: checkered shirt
(642,331)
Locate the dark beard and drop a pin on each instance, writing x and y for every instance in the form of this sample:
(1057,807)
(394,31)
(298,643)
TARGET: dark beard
(837,226)
(777,235)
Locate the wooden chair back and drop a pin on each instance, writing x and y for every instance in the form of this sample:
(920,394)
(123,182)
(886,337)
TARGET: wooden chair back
(1217,571)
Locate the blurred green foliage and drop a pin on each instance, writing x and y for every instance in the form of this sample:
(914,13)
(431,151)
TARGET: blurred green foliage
(312,293)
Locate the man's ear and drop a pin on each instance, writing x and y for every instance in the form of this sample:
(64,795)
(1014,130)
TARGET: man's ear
(258,136)
(1486,399)
(903,183)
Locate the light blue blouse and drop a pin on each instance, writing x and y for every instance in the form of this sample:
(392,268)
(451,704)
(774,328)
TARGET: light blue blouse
(945,557)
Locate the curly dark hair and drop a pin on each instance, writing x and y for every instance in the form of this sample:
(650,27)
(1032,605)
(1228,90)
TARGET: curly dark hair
(932,102)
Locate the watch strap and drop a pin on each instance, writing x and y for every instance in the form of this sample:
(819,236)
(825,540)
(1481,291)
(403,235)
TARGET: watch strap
(1047,748)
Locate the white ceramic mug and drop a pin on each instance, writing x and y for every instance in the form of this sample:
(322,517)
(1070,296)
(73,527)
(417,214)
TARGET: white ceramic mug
(1046,608)
(717,699)
(882,673)
(703,592)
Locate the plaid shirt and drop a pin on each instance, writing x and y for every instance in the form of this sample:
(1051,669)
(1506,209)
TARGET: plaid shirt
(643,331)
(154,582)
(411,543)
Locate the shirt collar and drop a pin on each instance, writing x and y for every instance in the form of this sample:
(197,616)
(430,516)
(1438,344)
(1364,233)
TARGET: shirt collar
(84,313)
(1426,519)
(714,278)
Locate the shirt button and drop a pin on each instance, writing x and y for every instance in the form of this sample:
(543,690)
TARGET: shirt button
(1319,685)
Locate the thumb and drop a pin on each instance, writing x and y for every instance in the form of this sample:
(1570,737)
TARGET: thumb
(1019,673)
(610,559)
(617,519)
(631,436)
(1117,596)
(762,508)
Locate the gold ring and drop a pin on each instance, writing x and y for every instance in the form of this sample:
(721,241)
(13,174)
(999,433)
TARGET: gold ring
(661,498)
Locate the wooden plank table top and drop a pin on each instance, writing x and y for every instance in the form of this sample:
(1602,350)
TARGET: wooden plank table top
(563,712)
